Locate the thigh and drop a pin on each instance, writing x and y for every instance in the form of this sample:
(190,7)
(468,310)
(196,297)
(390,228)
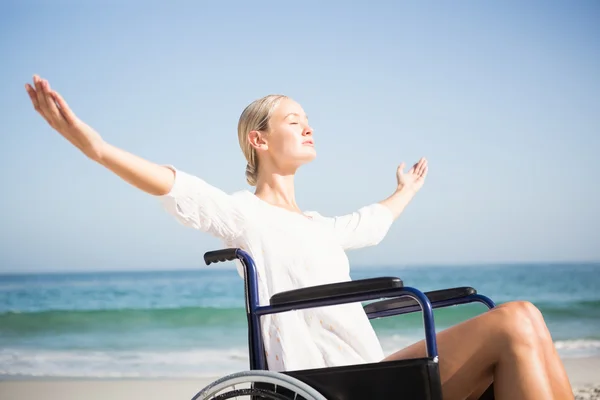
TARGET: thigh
(467,352)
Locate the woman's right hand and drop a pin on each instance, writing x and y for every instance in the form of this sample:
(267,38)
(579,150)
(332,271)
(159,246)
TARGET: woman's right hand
(59,116)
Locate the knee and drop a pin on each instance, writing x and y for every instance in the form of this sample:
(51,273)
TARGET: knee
(525,308)
(520,322)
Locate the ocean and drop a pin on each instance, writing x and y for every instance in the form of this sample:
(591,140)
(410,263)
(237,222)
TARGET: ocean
(192,323)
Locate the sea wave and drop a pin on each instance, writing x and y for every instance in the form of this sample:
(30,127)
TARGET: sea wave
(122,320)
(191,363)
(19,323)
(577,344)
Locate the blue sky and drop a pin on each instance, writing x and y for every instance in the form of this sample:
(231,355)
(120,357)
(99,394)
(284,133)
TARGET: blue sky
(502,97)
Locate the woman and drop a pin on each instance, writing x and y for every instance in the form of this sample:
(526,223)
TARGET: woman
(509,345)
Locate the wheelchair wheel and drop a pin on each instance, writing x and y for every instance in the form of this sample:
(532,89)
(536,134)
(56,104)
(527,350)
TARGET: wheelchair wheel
(258,384)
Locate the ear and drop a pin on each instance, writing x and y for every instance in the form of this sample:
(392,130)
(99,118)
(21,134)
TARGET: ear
(257,140)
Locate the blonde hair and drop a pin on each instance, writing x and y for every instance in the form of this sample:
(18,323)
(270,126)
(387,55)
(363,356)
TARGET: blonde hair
(255,117)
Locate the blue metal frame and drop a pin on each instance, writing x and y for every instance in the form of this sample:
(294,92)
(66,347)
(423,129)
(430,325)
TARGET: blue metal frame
(254,310)
(473,298)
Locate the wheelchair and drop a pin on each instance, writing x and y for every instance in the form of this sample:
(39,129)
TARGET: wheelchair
(413,379)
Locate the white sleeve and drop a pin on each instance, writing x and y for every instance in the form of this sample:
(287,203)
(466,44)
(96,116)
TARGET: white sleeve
(364,227)
(199,205)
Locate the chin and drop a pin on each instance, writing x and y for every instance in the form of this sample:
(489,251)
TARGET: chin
(310,155)
(304,159)
(298,158)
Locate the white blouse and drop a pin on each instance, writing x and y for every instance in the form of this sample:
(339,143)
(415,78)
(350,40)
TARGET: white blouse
(291,251)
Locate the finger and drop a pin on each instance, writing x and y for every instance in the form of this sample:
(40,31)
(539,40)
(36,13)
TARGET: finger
(425,172)
(53,113)
(64,109)
(35,98)
(422,166)
(413,168)
(32,96)
(400,169)
(39,91)
(418,166)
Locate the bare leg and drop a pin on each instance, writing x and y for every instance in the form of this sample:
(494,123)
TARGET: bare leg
(500,345)
(559,380)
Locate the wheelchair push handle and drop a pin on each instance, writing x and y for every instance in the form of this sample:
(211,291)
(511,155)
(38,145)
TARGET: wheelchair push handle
(221,255)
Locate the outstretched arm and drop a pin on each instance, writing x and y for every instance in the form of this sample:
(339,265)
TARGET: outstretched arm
(192,201)
(369,225)
(143,174)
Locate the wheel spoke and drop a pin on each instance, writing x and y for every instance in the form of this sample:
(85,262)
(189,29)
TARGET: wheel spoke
(263,385)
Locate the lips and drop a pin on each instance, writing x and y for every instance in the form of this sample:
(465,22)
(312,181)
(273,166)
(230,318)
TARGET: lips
(308,142)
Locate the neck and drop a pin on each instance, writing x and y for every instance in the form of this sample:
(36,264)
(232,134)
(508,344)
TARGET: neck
(278,190)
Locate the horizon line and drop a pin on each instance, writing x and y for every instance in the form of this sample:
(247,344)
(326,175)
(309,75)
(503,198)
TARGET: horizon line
(228,266)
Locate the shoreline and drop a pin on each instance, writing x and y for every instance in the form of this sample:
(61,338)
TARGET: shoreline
(584,374)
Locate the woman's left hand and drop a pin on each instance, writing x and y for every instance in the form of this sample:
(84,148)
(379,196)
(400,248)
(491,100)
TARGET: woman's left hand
(415,177)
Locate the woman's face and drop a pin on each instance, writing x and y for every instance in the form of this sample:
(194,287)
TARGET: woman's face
(290,141)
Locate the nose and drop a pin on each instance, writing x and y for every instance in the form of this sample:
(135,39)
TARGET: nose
(308,131)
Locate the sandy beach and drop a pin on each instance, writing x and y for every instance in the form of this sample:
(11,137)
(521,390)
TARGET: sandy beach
(584,374)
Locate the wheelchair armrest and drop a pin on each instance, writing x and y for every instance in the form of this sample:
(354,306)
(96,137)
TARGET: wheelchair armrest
(406,302)
(320,292)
